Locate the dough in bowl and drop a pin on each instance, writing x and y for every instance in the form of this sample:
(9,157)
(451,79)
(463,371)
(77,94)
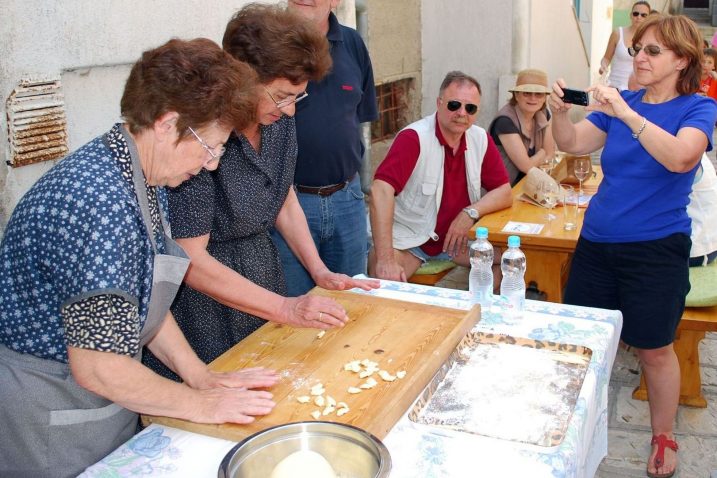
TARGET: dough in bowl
(303,464)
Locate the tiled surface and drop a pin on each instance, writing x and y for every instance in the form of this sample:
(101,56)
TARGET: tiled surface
(629,424)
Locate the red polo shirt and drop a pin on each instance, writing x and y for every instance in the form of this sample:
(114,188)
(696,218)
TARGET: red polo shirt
(401,160)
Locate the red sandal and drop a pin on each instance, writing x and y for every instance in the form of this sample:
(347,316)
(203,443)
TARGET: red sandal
(662,441)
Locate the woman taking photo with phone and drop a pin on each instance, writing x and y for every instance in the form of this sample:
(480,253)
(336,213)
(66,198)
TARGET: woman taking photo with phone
(521,127)
(634,246)
(620,40)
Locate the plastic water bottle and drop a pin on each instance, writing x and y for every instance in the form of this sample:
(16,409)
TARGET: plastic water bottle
(512,287)
(480,283)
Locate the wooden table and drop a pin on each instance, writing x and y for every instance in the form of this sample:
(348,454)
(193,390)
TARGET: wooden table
(548,254)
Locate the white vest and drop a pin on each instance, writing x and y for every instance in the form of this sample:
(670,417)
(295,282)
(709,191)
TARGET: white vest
(702,209)
(416,208)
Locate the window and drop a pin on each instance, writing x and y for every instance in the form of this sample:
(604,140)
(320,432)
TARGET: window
(393,111)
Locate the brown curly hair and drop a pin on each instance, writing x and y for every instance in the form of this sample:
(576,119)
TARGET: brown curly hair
(194,78)
(277,43)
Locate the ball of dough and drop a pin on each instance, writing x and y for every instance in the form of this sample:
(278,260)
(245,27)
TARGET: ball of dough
(303,464)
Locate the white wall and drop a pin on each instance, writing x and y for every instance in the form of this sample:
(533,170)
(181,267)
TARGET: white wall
(555,42)
(90,44)
(473,36)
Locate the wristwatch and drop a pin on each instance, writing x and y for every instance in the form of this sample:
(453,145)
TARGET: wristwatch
(472,213)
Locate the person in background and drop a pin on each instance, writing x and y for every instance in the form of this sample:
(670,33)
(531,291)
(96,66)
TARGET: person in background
(637,228)
(222,219)
(88,271)
(331,153)
(616,51)
(702,209)
(521,127)
(426,193)
(708,80)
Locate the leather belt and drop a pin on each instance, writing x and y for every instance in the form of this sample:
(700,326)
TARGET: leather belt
(322,191)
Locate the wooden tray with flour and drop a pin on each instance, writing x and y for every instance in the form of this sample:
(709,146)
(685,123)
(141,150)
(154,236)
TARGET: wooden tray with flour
(397,335)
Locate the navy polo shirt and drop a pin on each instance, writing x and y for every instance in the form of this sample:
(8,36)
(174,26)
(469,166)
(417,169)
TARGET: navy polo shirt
(327,122)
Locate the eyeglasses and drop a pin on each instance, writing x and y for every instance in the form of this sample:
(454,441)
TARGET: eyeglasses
(534,94)
(455,105)
(216,153)
(288,100)
(638,14)
(650,50)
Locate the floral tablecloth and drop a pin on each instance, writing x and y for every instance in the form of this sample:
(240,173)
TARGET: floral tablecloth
(415,450)
(419,452)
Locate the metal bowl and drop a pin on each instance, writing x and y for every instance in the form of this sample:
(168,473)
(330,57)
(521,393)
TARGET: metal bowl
(351,451)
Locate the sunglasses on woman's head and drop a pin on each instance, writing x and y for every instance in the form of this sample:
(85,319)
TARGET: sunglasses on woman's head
(454,105)
(638,14)
(650,50)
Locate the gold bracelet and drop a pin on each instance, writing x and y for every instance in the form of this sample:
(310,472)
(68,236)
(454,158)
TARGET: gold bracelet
(639,131)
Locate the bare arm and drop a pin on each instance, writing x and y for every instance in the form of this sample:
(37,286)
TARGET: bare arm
(517,153)
(582,137)
(130,384)
(171,347)
(381,210)
(678,153)
(291,223)
(549,142)
(609,51)
(223,284)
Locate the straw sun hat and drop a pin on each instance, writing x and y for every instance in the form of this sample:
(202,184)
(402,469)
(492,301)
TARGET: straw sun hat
(532,81)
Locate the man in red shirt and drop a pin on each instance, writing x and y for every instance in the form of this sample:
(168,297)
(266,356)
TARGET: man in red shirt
(426,193)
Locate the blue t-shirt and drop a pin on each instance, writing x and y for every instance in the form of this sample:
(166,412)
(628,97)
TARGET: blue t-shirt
(78,232)
(639,199)
(327,122)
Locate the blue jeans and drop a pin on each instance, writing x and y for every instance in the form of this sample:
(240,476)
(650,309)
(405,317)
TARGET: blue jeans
(338,227)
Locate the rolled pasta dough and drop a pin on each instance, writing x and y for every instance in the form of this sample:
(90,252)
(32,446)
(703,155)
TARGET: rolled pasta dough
(303,464)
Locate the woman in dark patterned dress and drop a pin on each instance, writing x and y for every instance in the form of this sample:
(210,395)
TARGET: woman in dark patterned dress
(235,281)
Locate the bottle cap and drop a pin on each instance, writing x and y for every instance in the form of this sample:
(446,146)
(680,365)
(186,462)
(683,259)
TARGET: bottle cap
(513,241)
(482,233)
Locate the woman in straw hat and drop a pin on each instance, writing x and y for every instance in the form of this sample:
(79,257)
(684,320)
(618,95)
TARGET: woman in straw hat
(520,129)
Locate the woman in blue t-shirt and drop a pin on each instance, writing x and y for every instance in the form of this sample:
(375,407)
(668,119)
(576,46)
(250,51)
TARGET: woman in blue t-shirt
(634,247)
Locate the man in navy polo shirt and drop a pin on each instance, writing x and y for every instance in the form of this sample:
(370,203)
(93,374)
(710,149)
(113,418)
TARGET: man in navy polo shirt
(331,151)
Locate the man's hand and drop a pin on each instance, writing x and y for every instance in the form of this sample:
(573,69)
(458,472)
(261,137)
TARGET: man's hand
(456,241)
(390,269)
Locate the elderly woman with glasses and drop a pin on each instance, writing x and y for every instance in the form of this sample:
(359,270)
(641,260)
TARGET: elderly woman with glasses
(616,51)
(634,246)
(521,127)
(223,218)
(88,272)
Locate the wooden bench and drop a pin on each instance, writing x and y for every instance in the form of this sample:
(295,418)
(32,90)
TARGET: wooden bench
(696,321)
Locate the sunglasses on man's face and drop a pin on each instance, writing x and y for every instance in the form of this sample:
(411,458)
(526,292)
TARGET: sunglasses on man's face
(650,50)
(638,14)
(454,105)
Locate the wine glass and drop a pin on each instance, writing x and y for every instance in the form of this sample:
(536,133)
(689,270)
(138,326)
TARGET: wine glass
(550,191)
(581,170)
(547,164)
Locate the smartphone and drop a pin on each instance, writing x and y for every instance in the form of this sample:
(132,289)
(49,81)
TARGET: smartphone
(576,97)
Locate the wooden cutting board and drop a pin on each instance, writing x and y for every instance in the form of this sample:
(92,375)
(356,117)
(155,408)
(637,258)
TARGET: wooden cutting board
(398,335)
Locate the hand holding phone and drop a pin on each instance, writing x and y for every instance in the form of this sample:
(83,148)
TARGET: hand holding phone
(576,97)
